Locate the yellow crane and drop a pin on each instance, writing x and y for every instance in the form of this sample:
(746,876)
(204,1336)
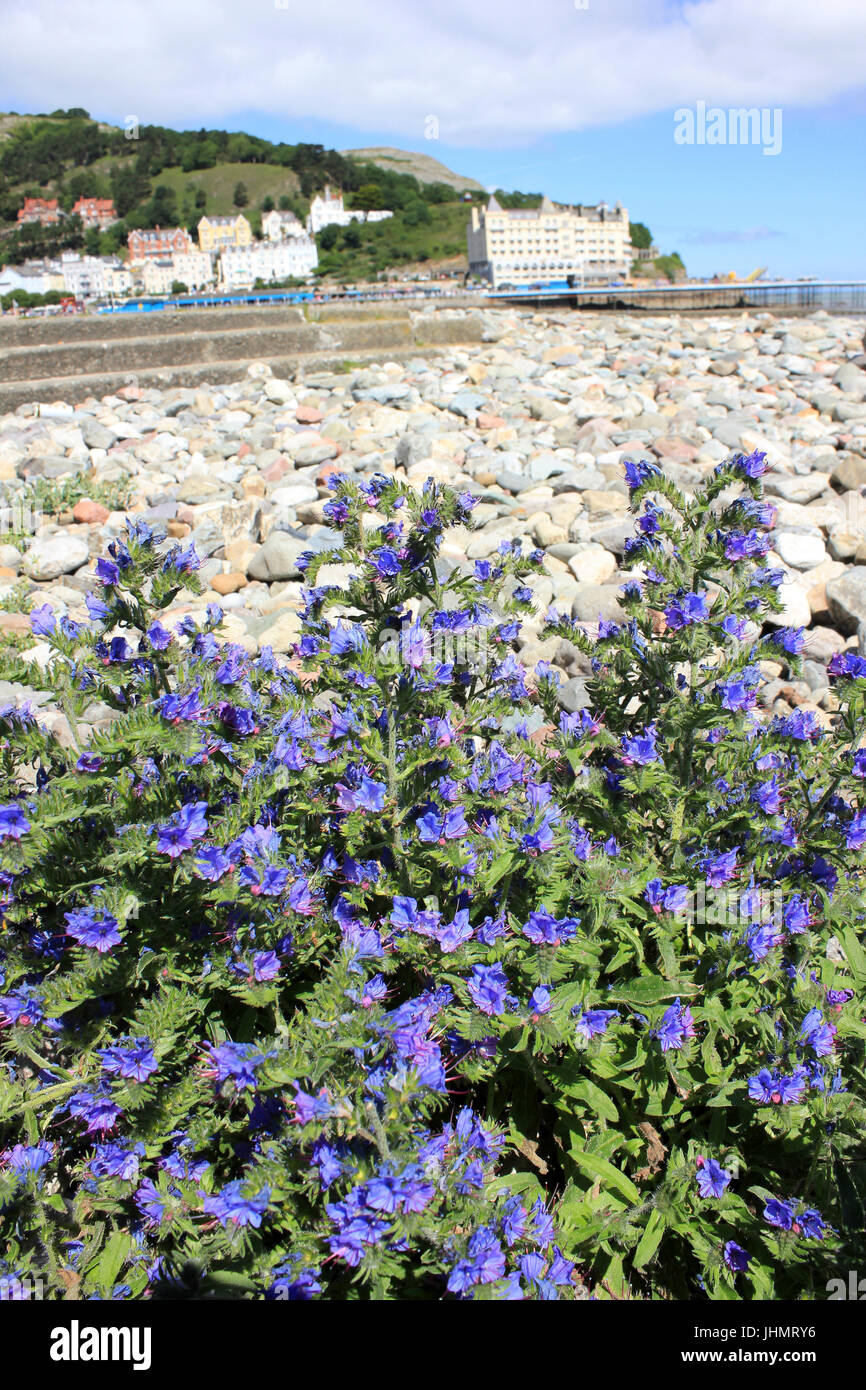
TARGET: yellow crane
(747,279)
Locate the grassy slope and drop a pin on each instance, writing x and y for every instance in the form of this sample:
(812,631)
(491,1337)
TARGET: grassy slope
(219,183)
(394,243)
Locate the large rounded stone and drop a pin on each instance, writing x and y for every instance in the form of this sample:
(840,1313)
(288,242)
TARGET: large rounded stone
(51,556)
(594,601)
(277,558)
(846,599)
(795,607)
(593,565)
(800,550)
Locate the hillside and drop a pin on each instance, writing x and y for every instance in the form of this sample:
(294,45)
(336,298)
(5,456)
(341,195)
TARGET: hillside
(423,167)
(165,177)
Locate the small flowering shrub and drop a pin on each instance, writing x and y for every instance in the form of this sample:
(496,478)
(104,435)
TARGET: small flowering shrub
(374,975)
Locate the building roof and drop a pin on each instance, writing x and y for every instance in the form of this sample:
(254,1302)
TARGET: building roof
(158,233)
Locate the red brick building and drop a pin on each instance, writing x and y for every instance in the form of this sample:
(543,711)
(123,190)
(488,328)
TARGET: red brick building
(96,212)
(158,243)
(45,211)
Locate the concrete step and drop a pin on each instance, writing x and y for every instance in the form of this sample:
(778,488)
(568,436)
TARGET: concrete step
(75,389)
(37,361)
(74,328)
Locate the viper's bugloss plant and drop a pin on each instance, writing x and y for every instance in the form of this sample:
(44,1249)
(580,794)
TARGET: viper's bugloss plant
(372,974)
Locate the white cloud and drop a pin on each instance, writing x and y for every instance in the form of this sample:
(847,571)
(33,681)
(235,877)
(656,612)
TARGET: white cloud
(494,72)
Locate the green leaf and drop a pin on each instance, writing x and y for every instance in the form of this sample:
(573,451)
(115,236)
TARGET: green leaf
(650,989)
(600,1168)
(112,1260)
(593,1096)
(650,1240)
(854,954)
(228,1278)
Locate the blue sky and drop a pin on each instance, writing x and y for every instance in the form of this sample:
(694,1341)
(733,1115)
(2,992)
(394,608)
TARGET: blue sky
(574,98)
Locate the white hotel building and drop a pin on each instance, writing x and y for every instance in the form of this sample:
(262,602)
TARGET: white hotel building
(240,267)
(327,210)
(522,246)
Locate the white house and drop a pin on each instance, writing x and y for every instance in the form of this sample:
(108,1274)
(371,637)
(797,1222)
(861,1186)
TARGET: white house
(327,210)
(279,225)
(295,257)
(116,278)
(18,278)
(83,276)
(158,276)
(193,269)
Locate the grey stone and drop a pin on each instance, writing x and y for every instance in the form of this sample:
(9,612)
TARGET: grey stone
(466,403)
(96,435)
(851,380)
(277,558)
(850,473)
(572,695)
(846,599)
(822,643)
(50,556)
(50,466)
(315,454)
(815,675)
(614,534)
(594,601)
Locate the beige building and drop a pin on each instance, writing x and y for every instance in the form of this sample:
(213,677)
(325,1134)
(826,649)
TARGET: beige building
(157,277)
(524,246)
(191,268)
(279,225)
(223,233)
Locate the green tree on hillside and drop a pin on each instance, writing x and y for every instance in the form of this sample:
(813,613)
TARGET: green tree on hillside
(416,213)
(640,236)
(240,197)
(368,197)
(671,266)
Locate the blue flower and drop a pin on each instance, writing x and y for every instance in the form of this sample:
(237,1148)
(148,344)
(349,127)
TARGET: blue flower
(185,827)
(712,1178)
(133,1060)
(42,620)
(736,1258)
(641,749)
(685,610)
(488,989)
(818,1034)
(779,1214)
(231,1205)
(592,1023)
(676,1026)
(98,930)
(107,572)
(636,474)
(13,822)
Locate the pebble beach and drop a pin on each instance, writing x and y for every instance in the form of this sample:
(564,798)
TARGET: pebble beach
(536,421)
